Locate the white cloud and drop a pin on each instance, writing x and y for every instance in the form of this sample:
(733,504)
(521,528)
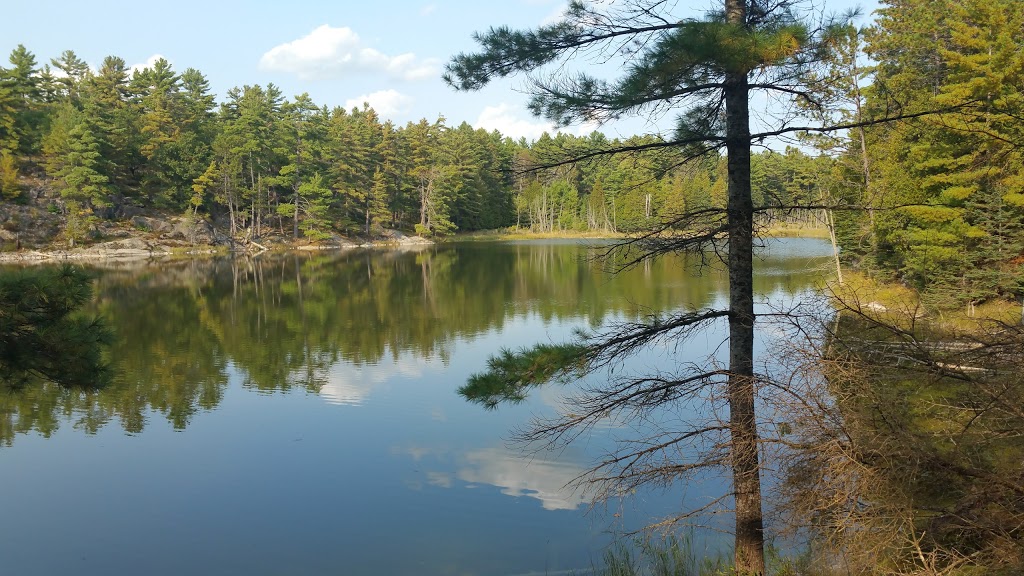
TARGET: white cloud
(428,9)
(384,102)
(329,52)
(506,119)
(556,16)
(511,122)
(344,392)
(147,64)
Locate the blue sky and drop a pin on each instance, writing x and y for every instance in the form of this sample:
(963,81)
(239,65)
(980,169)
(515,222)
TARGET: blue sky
(389,53)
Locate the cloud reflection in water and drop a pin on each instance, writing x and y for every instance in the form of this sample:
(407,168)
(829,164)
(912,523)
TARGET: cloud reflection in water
(516,475)
(545,480)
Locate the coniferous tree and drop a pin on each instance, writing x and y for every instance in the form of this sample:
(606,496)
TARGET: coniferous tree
(9,139)
(711,66)
(303,132)
(107,104)
(315,198)
(82,186)
(74,73)
(952,176)
(252,120)
(19,102)
(10,189)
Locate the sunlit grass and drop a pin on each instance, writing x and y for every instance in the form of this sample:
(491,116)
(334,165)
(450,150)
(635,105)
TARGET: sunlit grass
(527,234)
(795,232)
(893,301)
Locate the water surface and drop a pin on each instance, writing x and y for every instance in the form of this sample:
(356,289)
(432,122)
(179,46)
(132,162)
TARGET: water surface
(297,415)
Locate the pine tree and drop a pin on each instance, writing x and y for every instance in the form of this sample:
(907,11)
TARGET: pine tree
(106,106)
(314,202)
(10,189)
(249,142)
(75,71)
(19,103)
(303,133)
(80,183)
(706,66)
(9,137)
(957,171)
(377,212)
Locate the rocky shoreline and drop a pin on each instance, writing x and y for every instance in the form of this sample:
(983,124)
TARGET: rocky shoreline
(30,233)
(145,247)
(137,249)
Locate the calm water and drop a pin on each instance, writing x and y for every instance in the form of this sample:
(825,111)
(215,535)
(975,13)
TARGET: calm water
(298,415)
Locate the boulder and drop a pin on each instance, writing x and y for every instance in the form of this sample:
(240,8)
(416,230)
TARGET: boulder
(152,224)
(195,231)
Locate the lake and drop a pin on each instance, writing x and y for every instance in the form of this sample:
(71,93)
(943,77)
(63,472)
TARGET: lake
(297,414)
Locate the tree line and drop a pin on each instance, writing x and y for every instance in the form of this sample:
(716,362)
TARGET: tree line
(938,201)
(111,140)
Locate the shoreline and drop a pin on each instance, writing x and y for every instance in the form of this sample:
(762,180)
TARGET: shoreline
(143,247)
(138,249)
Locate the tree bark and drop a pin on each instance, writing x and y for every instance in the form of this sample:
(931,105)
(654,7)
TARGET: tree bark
(742,419)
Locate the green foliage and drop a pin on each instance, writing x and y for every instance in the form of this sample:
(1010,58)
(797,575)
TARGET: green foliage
(20,104)
(81,181)
(41,333)
(114,138)
(511,374)
(10,189)
(958,240)
(78,221)
(8,119)
(314,203)
(75,70)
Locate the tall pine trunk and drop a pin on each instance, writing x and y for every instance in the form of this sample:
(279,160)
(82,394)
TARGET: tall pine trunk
(746,469)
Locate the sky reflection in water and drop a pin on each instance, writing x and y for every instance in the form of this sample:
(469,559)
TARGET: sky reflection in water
(298,415)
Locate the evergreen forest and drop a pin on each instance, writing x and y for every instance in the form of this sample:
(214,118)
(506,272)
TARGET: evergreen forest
(903,143)
(936,201)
